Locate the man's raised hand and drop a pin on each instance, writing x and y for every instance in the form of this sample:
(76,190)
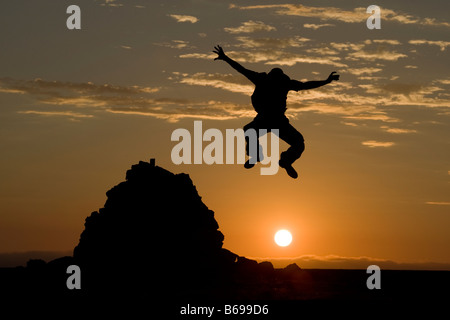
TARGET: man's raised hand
(221,55)
(333,76)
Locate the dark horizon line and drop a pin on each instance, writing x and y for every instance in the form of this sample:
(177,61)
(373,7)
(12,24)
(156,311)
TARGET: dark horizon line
(20,258)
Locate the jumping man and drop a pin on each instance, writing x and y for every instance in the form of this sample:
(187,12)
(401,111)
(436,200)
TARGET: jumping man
(269,101)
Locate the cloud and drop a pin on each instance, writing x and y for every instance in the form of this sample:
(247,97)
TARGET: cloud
(69,114)
(247,42)
(338,98)
(346,46)
(443,81)
(377,144)
(366,70)
(350,124)
(183,18)
(250,27)
(342,262)
(441,44)
(327,101)
(175,44)
(111,3)
(401,88)
(57,88)
(378,54)
(222,81)
(398,130)
(85,94)
(438,203)
(406,94)
(206,56)
(341,98)
(366,51)
(272,57)
(173,112)
(126,100)
(373,117)
(387,41)
(322,51)
(357,15)
(291,59)
(324,13)
(317,26)
(126,47)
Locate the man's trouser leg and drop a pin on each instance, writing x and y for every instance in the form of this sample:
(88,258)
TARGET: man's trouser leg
(256,126)
(295,140)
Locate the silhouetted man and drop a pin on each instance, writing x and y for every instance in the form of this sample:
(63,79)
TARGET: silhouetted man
(269,101)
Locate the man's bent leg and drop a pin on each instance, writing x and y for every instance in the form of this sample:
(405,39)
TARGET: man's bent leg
(255,126)
(296,142)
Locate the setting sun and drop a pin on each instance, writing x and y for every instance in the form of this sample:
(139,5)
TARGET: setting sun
(283,238)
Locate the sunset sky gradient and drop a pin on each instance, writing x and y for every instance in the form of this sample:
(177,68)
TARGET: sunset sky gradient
(79,107)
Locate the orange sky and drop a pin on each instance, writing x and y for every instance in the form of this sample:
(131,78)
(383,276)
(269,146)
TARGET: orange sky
(80,107)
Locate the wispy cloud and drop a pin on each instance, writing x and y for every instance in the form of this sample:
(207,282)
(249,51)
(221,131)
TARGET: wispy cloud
(227,82)
(378,54)
(365,70)
(173,111)
(340,98)
(347,46)
(175,44)
(375,116)
(377,144)
(441,44)
(68,114)
(443,81)
(324,13)
(388,41)
(183,18)
(292,59)
(397,130)
(207,56)
(57,88)
(317,26)
(250,42)
(250,27)
(126,100)
(273,57)
(438,203)
(356,15)
(111,3)
(322,51)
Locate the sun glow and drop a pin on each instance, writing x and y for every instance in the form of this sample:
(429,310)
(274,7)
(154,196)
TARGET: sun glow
(283,238)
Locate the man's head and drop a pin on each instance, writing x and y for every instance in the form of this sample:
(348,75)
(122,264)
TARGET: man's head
(278,75)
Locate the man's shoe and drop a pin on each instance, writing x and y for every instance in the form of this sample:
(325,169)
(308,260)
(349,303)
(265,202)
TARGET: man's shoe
(289,169)
(248,165)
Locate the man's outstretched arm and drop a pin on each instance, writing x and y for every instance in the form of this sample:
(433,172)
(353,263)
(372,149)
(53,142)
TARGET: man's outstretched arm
(222,56)
(297,85)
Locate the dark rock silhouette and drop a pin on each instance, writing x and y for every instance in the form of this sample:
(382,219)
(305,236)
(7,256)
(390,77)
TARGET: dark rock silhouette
(154,222)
